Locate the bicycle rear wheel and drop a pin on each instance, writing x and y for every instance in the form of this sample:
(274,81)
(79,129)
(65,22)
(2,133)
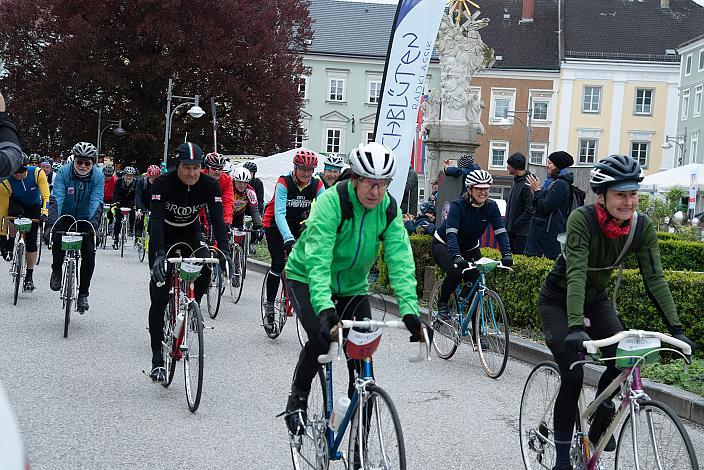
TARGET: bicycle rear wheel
(17,267)
(310,450)
(214,293)
(535,419)
(193,357)
(491,334)
(380,442)
(279,309)
(141,249)
(447,330)
(661,440)
(69,279)
(238,275)
(301,332)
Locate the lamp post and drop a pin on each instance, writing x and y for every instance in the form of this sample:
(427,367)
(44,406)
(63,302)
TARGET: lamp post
(119,130)
(680,141)
(506,123)
(195,112)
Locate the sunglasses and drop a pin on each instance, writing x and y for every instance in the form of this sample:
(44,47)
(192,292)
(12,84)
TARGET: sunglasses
(86,163)
(369,183)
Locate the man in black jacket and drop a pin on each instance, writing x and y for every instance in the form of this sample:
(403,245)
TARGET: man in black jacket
(519,209)
(10,150)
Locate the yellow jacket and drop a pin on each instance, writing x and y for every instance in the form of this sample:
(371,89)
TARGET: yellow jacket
(26,195)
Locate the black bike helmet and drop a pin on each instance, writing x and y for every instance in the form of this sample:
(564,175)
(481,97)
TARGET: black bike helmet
(251,166)
(618,172)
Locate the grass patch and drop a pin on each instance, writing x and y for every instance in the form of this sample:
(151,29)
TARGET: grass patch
(673,373)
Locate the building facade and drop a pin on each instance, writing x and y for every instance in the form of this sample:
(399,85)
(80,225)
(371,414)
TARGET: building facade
(690,120)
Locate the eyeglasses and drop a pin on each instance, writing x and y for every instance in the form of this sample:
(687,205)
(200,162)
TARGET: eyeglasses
(305,169)
(369,183)
(86,163)
(481,190)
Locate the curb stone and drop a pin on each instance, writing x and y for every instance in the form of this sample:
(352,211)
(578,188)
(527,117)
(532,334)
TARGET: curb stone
(686,404)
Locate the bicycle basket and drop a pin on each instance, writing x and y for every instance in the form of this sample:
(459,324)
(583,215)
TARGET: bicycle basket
(630,350)
(189,271)
(71,242)
(362,344)
(23,224)
(485,265)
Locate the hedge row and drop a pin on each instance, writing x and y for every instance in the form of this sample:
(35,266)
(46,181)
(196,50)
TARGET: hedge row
(519,289)
(676,255)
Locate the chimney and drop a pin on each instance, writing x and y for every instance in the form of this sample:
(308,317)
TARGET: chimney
(529,11)
(664,4)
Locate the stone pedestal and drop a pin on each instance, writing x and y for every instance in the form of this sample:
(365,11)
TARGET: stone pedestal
(447,140)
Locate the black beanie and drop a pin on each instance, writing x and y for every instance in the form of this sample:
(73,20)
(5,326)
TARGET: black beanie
(561,159)
(517,160)
(465,161)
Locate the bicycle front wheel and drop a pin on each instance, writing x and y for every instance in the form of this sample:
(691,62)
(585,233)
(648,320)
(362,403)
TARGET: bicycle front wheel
(491,334)
(193,358)
(310,450)
(376,441)
(69,279)
(279,309)
(40,237)
(214,291)
(123,236)
(141,250)
(661,441)
(17,266)
(237,277)
(535,418)
(447,329)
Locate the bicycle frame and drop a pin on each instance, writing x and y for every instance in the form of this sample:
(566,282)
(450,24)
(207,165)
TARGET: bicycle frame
(478,288)
(183,293)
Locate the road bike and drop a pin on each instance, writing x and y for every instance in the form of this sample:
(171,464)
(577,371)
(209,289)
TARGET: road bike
(183,326)
(104,231)
(484,308)
(18,268)
(651,435)
(375,434)
(123,229)
(71,242)
(282,311)
(141,243)
(239,248)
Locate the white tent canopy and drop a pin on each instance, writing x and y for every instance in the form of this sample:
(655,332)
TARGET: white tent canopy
(676,177)
(270,168)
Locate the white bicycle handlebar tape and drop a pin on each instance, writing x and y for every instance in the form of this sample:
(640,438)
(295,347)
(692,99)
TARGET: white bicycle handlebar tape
(592,346)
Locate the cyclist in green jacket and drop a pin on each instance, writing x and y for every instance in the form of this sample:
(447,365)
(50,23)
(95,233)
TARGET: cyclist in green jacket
(328,268)
(573,302)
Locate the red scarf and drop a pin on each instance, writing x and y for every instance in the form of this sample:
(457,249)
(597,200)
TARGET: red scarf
(608,226)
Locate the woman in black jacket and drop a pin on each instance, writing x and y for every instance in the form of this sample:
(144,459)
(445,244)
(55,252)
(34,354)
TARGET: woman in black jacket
(552,202)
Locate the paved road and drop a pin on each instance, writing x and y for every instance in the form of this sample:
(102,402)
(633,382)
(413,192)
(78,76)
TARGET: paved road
(83,402)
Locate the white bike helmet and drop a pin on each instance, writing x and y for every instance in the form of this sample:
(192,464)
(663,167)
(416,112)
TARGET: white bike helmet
(373,160)
(242,175)
(334,159)
(479,178)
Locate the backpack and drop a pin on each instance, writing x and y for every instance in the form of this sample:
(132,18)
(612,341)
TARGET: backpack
(578,197)
(347,209)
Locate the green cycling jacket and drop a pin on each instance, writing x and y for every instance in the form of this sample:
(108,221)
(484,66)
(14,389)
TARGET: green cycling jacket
(338,264)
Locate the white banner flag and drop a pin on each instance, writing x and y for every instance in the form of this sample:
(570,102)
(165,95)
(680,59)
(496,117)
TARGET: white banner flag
(410,47)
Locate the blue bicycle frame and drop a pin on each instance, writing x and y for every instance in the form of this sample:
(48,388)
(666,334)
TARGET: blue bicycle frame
(367,374)
(478,288)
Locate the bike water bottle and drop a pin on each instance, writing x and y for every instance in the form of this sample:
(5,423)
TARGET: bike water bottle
(179,323)
(339,411)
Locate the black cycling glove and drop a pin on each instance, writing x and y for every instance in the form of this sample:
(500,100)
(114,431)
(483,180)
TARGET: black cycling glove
(460,262)
(326,320)
(575,339)
(159,268)
(414,325)
(507,260)
(678,333)
(288,246)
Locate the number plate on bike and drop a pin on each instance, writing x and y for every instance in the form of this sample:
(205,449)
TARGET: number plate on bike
(23,225)
(362,344)
(71,242)
(630,350)
(238,233)
(189,271)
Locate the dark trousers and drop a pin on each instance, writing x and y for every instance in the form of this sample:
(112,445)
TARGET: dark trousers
(87,250)
(453,274)
(604,323)
(275,243)
(17,209)
(518,243)
(347,308)
(118,222)
(160,295)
